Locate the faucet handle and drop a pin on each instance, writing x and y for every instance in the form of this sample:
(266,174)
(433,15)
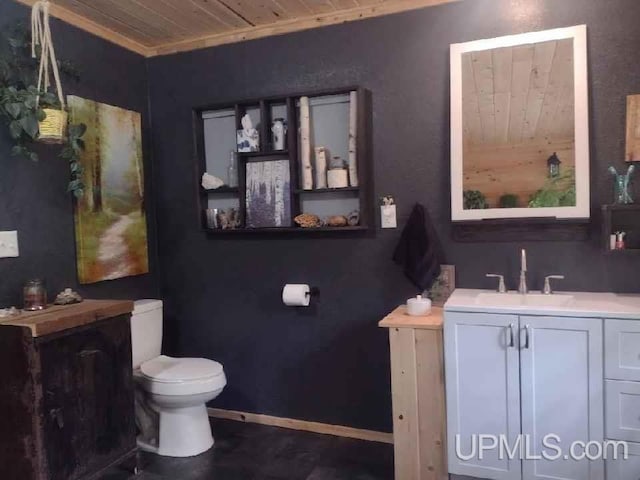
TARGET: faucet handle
(501,286)
(547,284)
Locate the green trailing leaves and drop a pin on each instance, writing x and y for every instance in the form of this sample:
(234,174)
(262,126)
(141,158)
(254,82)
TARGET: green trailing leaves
(22,103)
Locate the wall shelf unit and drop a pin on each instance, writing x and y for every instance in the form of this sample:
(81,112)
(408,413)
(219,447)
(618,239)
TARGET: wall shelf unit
(270,193)
(621,218)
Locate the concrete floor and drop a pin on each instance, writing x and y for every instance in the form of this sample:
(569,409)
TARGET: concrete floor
(246,451)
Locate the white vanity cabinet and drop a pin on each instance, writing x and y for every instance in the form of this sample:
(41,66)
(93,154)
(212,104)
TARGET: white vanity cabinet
(520,378)
(622,387)
(482,370)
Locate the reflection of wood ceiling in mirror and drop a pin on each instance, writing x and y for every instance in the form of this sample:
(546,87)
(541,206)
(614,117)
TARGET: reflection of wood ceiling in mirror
(518,94)
(157,27)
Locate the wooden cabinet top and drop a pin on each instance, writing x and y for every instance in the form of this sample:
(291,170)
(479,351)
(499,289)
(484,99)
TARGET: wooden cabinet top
(400,319)
(57,318)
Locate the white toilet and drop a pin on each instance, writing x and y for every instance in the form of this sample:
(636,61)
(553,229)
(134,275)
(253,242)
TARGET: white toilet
(171,401)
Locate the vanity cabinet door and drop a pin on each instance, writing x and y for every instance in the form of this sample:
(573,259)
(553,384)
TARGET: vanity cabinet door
(88,406)
(624,469)
(622,350)
(562,393)
(483,391)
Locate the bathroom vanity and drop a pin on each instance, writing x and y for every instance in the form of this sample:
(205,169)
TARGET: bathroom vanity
(525,366)
(67,391)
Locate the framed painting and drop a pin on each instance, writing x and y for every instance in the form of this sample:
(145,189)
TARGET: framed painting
(268,194)
(110,219)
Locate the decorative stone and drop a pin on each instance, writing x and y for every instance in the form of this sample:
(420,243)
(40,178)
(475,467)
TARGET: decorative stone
(308,220)
(337,221)
(67,297)
(211,182)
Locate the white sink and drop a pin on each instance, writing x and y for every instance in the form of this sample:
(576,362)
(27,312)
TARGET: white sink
(518,300)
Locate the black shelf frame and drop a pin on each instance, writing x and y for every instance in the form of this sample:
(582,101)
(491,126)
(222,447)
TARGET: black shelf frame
(291,153)
(301,191)
(625,218)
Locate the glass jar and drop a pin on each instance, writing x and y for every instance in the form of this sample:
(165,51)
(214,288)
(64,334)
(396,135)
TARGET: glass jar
(35,295)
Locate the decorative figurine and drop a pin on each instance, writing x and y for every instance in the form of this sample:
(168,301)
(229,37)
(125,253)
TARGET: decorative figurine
(67,297)
(354,218)
(279,133)
(553,163)
(248,138)
(321,166)
(622,195)
(233,218)
(211,182)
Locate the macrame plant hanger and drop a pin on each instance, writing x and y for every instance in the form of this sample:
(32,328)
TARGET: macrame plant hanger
(54,126)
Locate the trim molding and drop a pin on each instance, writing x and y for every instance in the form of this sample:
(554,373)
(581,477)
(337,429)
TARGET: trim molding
(293,424)
(240,34)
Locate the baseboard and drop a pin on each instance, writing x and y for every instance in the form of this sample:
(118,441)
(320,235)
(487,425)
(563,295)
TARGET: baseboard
(293,424)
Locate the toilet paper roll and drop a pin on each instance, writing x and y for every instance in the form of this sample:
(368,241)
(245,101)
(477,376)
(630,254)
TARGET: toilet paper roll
(296,295)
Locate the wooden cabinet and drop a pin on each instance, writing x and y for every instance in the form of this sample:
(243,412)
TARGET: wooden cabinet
(521,378)
(417,386)
(67,387)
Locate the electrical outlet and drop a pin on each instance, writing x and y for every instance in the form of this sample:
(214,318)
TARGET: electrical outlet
(9,244)
(388,216)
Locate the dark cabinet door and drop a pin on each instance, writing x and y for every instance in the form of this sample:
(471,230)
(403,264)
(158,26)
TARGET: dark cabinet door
(88,403)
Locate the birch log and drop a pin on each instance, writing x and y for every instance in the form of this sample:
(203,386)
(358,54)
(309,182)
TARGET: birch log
(305,145)
(321,167)
(353,139)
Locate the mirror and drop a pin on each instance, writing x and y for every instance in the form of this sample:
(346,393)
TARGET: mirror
(519,126)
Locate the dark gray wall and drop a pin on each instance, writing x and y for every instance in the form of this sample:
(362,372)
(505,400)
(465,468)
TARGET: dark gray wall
(33,198)
(330,363)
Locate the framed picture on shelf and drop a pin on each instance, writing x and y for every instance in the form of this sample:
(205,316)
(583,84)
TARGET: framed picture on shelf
(268,194)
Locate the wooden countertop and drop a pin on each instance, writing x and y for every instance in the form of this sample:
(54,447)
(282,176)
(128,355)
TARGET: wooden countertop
(400,319)
(57,318)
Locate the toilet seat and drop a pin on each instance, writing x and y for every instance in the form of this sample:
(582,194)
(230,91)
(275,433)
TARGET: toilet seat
(165,375)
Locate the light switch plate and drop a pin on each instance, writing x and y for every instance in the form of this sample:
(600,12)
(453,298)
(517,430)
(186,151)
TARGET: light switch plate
(9,244)
(388,216)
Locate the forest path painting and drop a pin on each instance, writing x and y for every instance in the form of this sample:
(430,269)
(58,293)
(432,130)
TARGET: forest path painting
(111,227)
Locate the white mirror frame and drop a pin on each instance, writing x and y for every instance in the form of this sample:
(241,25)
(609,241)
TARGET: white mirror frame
(581,90)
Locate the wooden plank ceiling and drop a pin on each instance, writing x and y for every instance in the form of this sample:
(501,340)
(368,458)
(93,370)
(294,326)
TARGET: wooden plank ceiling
(519,94)
(159,27)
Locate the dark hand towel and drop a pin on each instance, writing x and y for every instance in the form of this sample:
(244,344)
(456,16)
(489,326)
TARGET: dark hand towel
(418,250)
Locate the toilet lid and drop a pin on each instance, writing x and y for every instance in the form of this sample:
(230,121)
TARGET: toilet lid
(175,370)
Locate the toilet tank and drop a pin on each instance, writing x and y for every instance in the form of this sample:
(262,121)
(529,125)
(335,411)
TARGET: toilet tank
(146,331)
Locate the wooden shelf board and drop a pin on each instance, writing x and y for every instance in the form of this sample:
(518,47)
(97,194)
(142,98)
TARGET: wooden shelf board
(327,190)
(253,231)
(625,251)
(629,207)
(223,189)
(270,153)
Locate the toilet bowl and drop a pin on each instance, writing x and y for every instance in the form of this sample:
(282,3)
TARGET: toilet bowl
(172,392)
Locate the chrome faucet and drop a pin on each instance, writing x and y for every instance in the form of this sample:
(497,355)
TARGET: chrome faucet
(523,273)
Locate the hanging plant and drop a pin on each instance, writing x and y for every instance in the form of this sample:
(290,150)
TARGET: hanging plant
(23,105)
(52,126)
